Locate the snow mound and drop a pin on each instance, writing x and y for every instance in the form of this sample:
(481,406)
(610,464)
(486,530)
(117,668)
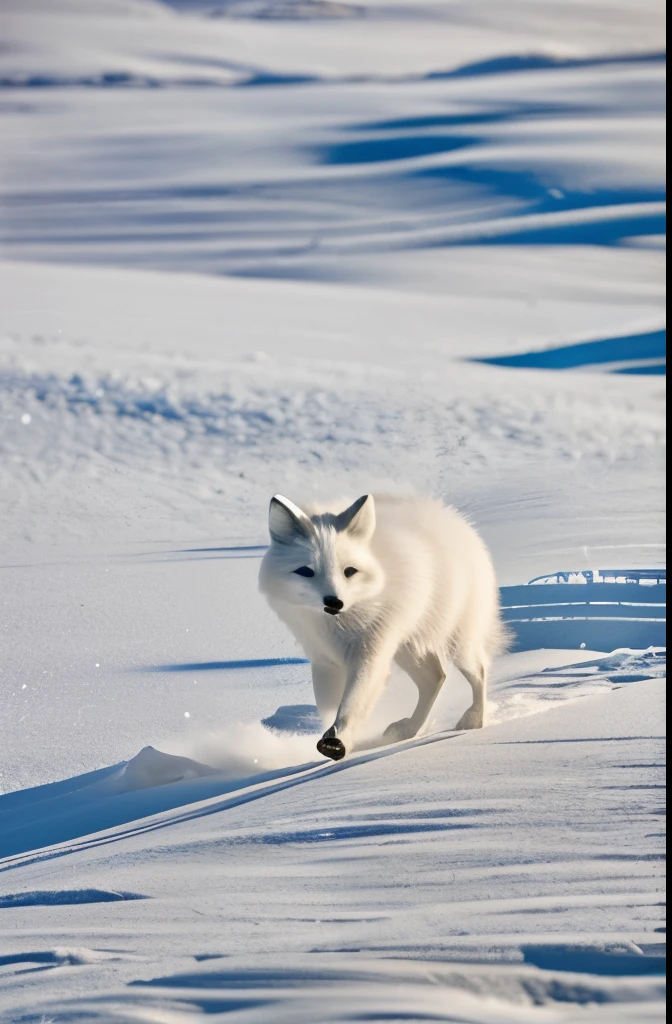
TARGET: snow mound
(152,768)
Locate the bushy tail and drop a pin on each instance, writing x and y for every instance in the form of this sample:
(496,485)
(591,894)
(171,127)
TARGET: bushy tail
(501,637)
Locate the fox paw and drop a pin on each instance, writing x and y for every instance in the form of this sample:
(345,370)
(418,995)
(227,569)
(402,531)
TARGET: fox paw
(331,746)
(401,730)
(474,718)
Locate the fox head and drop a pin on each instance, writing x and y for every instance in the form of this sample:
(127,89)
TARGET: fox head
(321,561)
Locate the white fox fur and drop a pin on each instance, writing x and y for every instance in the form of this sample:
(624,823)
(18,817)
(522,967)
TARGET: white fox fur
(424,591)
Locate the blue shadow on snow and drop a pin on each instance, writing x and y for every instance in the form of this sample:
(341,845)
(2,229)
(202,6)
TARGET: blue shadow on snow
(64,897)
(590,616)
(401,147)
(584,960)
(516,112)
(541,195)
(213,666)
(295,718)
(241,547)
(649,346)
(515,62)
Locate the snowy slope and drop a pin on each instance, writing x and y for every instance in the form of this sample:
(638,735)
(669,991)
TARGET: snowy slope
(381,221)
(514,868)
(137,468)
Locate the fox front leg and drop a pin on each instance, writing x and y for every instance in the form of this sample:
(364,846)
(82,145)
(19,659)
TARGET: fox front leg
(328,687)
(367,672)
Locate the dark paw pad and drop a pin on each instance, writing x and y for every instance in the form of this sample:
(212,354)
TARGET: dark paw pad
(331,746)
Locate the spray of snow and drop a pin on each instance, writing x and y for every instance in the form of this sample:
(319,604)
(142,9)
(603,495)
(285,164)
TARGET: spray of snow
(243,749)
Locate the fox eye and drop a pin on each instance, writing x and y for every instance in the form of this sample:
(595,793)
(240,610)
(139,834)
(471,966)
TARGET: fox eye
(304,570)
(350,571)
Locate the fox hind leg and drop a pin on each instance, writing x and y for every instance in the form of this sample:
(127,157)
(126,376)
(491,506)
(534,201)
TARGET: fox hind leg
(428,673)
(476,674)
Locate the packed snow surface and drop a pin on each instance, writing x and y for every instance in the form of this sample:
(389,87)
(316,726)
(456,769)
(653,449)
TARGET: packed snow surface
(322,248)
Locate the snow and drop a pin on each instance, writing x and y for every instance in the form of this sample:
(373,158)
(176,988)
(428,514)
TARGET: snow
(317,248)
(444,866)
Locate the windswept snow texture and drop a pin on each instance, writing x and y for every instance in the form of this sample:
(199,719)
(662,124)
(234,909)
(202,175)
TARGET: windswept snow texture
(310,147)
(323,247)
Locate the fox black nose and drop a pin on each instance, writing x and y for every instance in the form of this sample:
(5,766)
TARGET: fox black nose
(332,604)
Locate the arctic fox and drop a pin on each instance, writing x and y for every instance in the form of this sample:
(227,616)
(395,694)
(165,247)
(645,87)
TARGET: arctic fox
(401,579)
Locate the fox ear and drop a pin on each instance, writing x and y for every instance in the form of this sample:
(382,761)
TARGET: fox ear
(360,519)
(286,521)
